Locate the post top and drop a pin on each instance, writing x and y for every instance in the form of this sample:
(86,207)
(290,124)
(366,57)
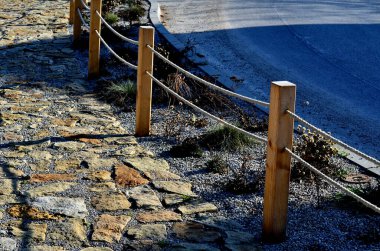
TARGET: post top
(147,27)
(283,83)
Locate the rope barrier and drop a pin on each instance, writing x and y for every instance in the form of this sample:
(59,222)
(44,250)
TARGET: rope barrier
(261,139)
(115,54)
(115,32)
(215,87)
(334,183)
(82,19)
(335,140)
(85,5)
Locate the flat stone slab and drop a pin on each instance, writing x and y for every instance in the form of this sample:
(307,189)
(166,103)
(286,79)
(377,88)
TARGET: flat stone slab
(45,177)
(128,177)
(145,197)
(44,248)
(196,232)
(110,228)
(173,199)
(9,186)
(237,240)
(110,202)
(72,231)
(97,163)
(148,232)
(40,155)
(197,208)
(69,146)
(49,189)
(73,207)
(10,199)
(28,212)
(157,216)
(103,187)
(10,172)
(154,169)
(33,231)
(178,187)
(7,244)
(98,176)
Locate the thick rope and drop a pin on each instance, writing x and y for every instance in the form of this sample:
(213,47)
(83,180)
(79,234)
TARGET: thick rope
(258,138)
(82,19)
(115,54)
(334,183)
(115,32)
(335,140)
(85,5)
(215,87)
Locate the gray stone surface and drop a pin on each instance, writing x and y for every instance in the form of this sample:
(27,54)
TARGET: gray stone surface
(7,244)
(144,197)
(73,207)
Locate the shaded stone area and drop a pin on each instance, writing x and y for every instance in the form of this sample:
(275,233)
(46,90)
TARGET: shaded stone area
(71,177)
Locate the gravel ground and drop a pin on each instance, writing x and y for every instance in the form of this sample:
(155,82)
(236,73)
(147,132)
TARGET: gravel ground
(312,225)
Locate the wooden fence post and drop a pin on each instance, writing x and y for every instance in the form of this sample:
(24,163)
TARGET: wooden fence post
(77,27)
(94,43)
(277,176)
(144,82)
(71,19)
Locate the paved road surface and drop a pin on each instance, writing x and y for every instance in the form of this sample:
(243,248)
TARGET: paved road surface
(330,49)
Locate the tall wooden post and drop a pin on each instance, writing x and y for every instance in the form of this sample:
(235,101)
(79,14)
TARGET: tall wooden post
(94,43)
(71,19)
(77,27)
(280,136)
(144,82)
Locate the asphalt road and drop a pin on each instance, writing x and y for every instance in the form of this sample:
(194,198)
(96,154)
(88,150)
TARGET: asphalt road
(329,48)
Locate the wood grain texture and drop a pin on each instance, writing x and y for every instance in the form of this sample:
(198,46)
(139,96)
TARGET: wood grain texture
(280,136)
(144,82)
(94,43)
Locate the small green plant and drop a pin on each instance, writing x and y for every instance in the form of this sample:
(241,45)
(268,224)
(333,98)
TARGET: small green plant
(226,138)
(186,198)
(163,243)
(217,165)
(111,18)
(121,93)
(317,151)
(188,148)
(134,11)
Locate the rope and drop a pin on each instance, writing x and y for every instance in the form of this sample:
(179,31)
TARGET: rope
(115,54)
(215,87)
(335,140)
(115,32)
(261,139)
(82,19)
(334,183)
(85,5)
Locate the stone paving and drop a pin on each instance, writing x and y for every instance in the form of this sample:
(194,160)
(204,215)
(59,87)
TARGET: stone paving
(71,177)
